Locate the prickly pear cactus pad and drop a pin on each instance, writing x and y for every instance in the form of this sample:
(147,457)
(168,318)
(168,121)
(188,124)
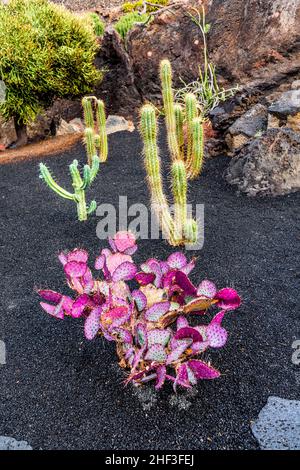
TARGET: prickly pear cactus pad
(151,322)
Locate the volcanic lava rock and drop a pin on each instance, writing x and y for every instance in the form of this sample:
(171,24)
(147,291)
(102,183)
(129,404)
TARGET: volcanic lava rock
(247,127)
(287,105)
(8,133)
(241,53)
(286,111)
(269,166)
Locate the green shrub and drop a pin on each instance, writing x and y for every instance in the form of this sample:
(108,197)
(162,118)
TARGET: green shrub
(99,25)
(128,7)
(135,6)
(46,52)
(127,22)
(159,3)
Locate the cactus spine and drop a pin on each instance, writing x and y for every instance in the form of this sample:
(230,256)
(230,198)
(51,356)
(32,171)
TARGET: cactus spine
(186,153)
(94,141)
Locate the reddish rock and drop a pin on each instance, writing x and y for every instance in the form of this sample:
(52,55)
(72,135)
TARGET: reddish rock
(171,35)
(119,88)
(253,43)
(8,133)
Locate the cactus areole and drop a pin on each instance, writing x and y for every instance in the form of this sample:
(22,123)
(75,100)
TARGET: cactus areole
(151,322)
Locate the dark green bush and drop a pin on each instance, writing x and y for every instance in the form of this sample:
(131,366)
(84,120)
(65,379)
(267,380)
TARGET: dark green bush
(45,52)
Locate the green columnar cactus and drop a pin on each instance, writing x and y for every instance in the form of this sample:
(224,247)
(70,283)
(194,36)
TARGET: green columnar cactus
(168,100)
(90,144)
(179,189)
(95,139)
(79,185)
(88,112)
(197,148)
(152,162)
(179,117)
(95,130)
(101,143)
(180,125)
(185,140)
(174,228)
(191,231)
(190,114)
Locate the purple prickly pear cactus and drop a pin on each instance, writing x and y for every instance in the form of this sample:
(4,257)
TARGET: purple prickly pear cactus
(150,324)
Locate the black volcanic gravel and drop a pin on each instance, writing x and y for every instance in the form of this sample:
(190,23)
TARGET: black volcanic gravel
(59,391)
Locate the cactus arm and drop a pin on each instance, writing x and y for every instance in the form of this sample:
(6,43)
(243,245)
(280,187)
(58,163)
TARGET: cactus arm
(92,207)
(168,100)
(198,149)
(81,205)
(179,118)
(91,150)
(179,189)
(49,180)
(190,114)
(191,231)
(152,163)
(78,185)
(88,112)
(90,172)
(94,169)
(76,178)
(86,176)
(101,123)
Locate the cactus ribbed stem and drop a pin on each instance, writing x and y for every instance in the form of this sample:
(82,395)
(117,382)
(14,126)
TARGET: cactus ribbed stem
(49,180)
(198,149)
(168,99)
(190,114)
(179,118)
(92,207)
(152,163)
(76,178)
(191,231)
(79,192)
(81,205)
(95,132)
(88,111)
(101,123)
(90,144)
(94,168)
(179,189)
